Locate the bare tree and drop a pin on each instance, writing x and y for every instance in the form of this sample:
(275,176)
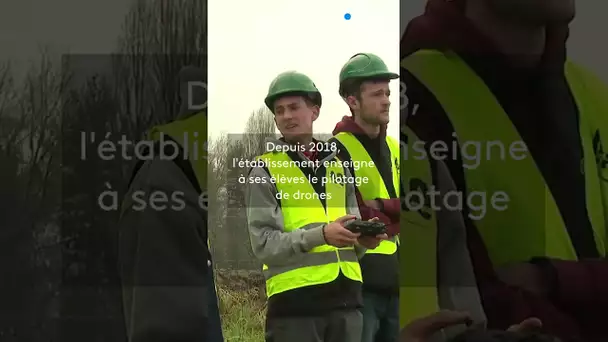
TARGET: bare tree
(41,108)
(132,90)
(29,154)
(231,246)
(11,124)
(259,127)
(218,167)
(159,38)
(38,122)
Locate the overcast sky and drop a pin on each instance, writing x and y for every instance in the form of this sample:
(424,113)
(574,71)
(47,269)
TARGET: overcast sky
(251,42)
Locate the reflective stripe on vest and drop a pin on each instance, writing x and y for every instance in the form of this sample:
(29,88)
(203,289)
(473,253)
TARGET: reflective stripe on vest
(531,225)
(418,295)
(374,187)
(322,264)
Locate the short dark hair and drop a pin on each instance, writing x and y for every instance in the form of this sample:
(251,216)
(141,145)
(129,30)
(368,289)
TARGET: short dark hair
(309,101)
(352,87)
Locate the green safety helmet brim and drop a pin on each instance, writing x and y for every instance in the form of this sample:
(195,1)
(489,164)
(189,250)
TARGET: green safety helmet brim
(292,83)
(365,65)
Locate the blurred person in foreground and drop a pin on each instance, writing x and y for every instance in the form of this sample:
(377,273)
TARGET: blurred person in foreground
(435,270)
(165,264)
(297,225)
(496,70)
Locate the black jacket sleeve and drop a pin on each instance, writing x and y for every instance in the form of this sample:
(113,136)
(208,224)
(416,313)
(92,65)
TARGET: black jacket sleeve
(164,258)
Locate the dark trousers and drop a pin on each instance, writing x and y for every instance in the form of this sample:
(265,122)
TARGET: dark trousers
(337,326)
(380,318)
(215,322)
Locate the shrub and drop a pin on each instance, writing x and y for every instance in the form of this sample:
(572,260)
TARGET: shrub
(242,299)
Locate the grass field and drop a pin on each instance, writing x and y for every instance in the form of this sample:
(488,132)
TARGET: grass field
(242,305)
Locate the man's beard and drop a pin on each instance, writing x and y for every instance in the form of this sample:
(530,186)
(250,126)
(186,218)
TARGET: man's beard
(373,119)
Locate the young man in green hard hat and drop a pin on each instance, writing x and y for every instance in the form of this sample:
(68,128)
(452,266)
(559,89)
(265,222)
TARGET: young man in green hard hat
(297,213)
(364,86)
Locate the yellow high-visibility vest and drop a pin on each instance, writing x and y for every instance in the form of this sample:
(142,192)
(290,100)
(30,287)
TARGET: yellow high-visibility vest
(322,264)
(191,134)
(374,187)
(531,226)
(418,293)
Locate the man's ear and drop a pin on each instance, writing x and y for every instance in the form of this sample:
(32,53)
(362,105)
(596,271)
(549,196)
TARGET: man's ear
(352,102)
(315,113)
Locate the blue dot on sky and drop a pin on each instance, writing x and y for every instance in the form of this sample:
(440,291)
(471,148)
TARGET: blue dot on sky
(347,16)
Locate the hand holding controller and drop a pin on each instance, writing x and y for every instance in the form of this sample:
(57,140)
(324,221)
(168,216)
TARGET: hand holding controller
(371,232)
(372,227)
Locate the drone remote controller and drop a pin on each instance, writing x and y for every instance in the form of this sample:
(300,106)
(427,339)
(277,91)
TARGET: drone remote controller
(367,228)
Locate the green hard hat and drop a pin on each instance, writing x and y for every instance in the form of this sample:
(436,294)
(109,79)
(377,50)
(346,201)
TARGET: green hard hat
(365,65)
(292,82)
